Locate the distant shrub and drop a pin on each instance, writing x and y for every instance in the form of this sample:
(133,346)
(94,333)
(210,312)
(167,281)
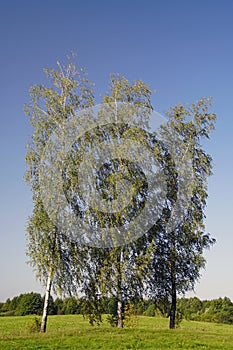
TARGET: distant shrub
(71,306)
(130,316)
(29,304)
(34,326)
(179,317)
(150,311)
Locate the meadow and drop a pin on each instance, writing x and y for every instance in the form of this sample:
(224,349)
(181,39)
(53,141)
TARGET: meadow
(74,332)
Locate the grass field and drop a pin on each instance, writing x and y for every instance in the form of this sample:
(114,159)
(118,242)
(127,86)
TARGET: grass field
(73,332)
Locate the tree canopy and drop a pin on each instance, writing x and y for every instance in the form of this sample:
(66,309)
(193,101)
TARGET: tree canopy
(120,256)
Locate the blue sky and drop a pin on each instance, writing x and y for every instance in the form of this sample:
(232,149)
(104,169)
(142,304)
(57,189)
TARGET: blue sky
(183,49)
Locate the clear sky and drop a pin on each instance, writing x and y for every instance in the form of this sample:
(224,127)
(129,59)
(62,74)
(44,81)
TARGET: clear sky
(183,49)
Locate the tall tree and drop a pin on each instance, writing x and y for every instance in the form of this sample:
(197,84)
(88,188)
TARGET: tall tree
(49,249)
(120,275)
(179,236)
(116,265)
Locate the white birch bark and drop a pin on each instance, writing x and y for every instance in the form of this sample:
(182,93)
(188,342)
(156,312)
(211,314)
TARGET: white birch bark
(46,304)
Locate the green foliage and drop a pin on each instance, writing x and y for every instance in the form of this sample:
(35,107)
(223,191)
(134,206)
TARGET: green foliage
(24,304)
(68,90)
(71,306)
(179,242)
(121,269)
(191,307)
(34,325)
(28,304)
(111,306)
(58,304)
(111,310)
(52,309)
(159,264)
(92,309)
(112,320)
(158,308)
(150,311)
(130,316)
(179,317)
(217,310)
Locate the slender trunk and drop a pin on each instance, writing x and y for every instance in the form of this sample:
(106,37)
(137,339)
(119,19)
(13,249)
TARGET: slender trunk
(119,314)
(173,306)
(119,291)
(46,304)
(173,297)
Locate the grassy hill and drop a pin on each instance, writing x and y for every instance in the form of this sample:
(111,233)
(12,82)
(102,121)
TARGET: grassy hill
(73,332)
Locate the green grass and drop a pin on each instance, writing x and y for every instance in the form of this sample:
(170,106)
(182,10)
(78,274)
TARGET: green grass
(73,332)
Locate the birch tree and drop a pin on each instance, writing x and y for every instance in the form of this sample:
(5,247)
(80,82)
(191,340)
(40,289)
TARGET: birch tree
(120,275)
(180,240)
(160,260)
(49,249)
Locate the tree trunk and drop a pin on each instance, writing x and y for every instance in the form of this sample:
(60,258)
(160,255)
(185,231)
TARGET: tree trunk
(173,295)
(119,314)
(119,291)
(46,304)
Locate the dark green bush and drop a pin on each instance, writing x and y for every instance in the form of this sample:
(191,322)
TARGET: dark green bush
(150,311)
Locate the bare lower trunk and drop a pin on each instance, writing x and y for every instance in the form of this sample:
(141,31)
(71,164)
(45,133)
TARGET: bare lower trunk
(46,305)
(173,296)
(119,291)
(173,312)
(119,314)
